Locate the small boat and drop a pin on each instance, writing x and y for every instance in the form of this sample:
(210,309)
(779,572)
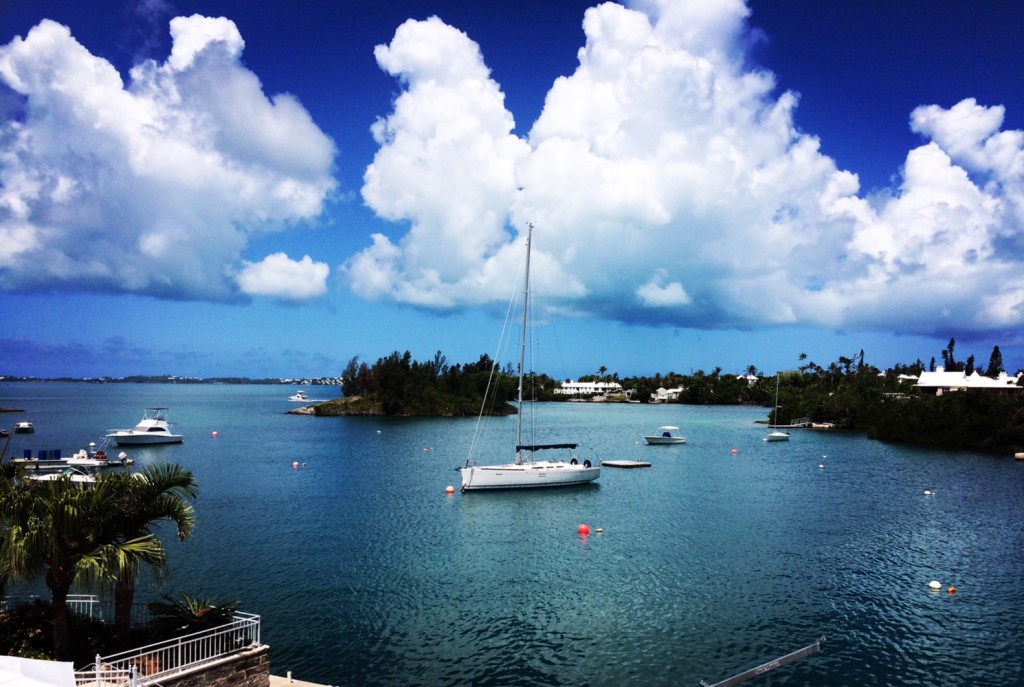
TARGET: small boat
(4,433)
(299,397)
(525,472)
(153,428)
(52,460)
(24,428)
(776,435)
(76,475)
(665,436)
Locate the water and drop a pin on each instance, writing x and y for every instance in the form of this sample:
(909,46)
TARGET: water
(710,563)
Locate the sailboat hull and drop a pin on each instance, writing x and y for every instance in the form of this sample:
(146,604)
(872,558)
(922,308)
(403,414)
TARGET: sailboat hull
(554,473)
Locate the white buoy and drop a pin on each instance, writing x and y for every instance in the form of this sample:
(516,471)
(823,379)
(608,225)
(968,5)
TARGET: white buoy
(927,493)
(935,585)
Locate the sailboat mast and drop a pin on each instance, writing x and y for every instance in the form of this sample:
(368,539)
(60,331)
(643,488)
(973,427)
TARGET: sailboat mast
(522,339)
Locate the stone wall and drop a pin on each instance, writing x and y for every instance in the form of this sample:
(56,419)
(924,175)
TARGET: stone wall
(248,669)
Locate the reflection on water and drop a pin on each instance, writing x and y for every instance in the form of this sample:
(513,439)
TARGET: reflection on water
(710,562)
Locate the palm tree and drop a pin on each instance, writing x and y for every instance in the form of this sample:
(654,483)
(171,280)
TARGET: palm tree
(65,531)
(158,493)
(174,618)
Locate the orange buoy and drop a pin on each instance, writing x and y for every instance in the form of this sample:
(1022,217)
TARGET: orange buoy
(952,589)
(449,489)
(584,529)
(734,452)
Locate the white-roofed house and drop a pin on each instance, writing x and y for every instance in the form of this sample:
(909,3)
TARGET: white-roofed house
(940,381)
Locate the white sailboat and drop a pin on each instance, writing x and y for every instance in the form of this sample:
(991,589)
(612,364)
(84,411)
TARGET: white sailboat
(525,472)
(776,435)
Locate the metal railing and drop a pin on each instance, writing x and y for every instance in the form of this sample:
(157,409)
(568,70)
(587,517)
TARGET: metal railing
(172,657)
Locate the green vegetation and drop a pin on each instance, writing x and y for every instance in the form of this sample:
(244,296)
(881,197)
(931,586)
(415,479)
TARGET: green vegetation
(399,386)
(848,393)
(92,537)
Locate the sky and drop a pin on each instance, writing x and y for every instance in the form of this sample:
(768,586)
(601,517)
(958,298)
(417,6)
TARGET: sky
(270,189)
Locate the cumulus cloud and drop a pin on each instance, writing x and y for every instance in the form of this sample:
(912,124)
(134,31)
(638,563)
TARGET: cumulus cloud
(280,276)
(664,160)
(153,185)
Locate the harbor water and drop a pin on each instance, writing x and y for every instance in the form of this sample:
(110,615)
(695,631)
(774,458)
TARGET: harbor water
(725,554)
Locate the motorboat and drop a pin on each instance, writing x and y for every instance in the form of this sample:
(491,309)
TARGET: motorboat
(92,457)
(666,435)
(76,475)
(24,428)
(525,472)
(299,397)
(153,428)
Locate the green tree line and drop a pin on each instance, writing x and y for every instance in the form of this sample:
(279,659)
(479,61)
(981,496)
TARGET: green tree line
(400,386)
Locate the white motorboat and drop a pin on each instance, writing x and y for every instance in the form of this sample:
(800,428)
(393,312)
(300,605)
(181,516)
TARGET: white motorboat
(299,397)
(24,428)
(153,428)
(525,472)
(776,435)
(666,435)
(76,475)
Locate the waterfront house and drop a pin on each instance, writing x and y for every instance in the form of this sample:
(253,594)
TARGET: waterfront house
(940,381)
(569,387)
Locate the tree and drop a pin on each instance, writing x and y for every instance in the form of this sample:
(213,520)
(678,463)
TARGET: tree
(158,493)
(174,618)
(66,532)
(995,363)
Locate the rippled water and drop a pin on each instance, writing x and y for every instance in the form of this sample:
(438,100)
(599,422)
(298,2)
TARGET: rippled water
(710,563)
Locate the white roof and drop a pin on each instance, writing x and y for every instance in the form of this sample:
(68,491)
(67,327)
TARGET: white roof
(30,672)
(961,380)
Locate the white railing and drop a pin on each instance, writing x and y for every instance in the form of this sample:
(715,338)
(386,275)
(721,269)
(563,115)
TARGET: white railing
(171,657)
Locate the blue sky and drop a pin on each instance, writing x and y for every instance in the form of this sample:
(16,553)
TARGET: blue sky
(269,189)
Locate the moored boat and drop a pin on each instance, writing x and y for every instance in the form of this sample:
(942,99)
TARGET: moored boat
(24,428)
(153,428)
(665,435)
(525,472)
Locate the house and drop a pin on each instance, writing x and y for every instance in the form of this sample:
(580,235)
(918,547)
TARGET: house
(569,387)
(940,382)
(663,394)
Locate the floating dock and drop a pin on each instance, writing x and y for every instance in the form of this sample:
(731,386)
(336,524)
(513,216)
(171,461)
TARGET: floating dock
(625,464)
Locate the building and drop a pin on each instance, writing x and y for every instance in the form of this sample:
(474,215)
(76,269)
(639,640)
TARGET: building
(663,394)
(572,388)
(940,382)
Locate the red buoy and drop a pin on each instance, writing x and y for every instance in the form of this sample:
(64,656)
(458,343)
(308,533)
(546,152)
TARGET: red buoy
(449,489)
(584,529)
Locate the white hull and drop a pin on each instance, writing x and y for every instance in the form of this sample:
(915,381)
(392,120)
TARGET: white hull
(665,440)
(131,438)
(548,473)
(777,436)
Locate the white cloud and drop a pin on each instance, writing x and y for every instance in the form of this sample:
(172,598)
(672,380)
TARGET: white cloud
(279,276)
(447,165)
(151,186)
(663,154)
(661,293)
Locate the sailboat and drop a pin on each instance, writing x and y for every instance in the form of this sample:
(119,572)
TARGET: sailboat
(776,435)
(525,472)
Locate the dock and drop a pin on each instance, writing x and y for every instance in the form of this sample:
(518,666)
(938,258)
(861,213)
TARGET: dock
(276,681)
